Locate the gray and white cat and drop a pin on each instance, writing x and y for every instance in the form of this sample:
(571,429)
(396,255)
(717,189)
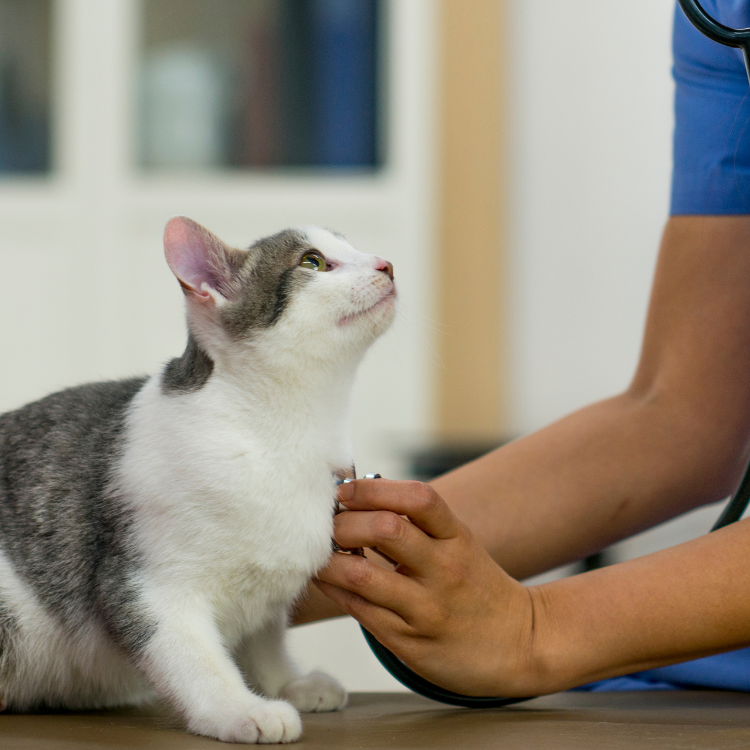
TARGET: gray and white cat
(155,532)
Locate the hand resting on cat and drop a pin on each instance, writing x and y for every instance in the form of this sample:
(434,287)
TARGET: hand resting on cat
(154,532)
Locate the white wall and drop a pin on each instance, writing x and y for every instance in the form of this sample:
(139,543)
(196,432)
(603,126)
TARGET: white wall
(591,161)
(592,123)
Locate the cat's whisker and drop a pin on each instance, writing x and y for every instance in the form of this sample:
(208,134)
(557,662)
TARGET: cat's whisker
(435,358)
(438,330)
(426,320)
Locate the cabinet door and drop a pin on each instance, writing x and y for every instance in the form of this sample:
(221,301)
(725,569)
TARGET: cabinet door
(24,86)
(253,83)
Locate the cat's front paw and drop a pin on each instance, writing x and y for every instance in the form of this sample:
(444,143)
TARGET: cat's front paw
(314,692)
(262,722)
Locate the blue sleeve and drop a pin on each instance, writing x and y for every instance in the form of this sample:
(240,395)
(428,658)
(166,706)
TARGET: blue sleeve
(711,173)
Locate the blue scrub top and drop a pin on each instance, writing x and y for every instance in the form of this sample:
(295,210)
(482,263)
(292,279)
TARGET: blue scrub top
(711,172)
(711,176)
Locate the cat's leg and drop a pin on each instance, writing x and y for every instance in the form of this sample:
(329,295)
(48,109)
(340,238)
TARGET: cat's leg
(267,664)
(189,666)
(43,662)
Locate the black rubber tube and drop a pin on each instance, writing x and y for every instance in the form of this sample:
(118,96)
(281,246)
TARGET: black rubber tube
(737,505)
(419,685)
(717,31)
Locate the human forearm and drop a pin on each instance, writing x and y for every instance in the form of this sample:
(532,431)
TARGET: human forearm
(599,475)
(682,603)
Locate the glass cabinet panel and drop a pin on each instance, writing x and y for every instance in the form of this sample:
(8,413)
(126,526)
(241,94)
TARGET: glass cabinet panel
(24,85)
(253,83)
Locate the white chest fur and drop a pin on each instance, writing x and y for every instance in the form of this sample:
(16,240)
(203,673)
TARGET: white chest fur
(226,500)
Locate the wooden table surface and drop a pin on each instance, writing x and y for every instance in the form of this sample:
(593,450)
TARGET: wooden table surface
(567,721)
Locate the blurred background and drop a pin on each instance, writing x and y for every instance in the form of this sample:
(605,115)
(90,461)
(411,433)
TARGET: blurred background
(510,157)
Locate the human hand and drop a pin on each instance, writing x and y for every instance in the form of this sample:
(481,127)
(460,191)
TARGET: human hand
(447,610)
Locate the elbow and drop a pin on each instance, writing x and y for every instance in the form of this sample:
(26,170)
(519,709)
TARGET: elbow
(703,443)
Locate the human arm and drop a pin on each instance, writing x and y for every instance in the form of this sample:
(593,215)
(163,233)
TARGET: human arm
(451,614)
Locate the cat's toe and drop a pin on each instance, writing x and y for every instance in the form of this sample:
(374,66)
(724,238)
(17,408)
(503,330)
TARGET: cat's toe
(262,722)
(315,692)
(277,722)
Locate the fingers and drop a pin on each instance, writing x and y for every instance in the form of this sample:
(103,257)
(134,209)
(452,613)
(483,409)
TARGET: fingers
(387,533)
(372,583)
(415,500)
(384,624)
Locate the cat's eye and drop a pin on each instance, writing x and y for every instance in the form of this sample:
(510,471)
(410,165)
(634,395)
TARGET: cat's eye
(314,261)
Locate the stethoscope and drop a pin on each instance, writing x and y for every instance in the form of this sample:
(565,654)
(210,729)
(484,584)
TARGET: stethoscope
(733,511)
(717,31)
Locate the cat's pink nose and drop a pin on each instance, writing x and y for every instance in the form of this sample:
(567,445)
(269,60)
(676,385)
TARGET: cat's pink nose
(385,267)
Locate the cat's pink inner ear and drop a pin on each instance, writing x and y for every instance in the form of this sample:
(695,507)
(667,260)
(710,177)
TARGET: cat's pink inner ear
(190,251)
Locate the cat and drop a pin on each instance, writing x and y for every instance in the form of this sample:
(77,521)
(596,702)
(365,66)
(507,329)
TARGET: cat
(155,532)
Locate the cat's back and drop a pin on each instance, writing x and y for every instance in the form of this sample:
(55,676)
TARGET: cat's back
(67,436)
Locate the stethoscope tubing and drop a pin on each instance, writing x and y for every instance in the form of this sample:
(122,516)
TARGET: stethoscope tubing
(732,512)
(419,685)
(716,31)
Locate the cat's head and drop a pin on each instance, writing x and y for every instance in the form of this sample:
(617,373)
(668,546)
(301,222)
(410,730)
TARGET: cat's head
(301,291)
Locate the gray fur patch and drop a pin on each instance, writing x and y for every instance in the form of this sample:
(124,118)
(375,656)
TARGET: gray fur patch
(8,630)
(187,373)
(66,538)
(268,282)
(282,295)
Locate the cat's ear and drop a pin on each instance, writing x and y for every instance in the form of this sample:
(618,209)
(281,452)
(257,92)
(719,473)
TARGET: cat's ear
(205,267)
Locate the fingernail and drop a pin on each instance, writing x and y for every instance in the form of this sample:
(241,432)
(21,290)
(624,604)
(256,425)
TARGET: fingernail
(346,492)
